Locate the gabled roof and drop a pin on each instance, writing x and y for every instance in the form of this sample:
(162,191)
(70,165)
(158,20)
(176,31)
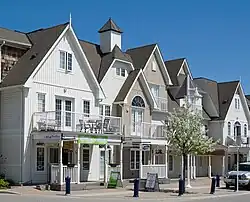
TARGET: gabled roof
(248,100)
(42,40)
(132,77)
(226,91)
(173,67)
(140,55)
(14,37)
(110,26)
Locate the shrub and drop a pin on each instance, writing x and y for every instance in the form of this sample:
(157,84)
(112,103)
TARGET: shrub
(3,184)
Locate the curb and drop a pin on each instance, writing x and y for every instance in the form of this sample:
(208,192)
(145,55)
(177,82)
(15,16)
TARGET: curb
(2,191)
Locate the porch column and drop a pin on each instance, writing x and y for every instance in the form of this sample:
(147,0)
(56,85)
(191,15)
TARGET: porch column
(166,161)
(140,162)
(194,167)
(191,167)
(223,166)
(209,167)
(78,162)
(60,162)
(105,166)
(121,161)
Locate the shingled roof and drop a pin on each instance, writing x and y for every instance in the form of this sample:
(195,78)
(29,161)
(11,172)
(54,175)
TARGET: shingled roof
(42,40)
(140,55)
(173,67)
(110,26)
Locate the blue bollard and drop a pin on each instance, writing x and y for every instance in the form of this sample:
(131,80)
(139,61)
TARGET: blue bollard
(181,187)
(67,182)
(213,186)
(217,181)
(136,188)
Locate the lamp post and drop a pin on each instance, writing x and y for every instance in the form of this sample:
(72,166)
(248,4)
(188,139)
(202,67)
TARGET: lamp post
(237,169)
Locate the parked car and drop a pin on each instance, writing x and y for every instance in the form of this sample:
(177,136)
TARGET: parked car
(243,175)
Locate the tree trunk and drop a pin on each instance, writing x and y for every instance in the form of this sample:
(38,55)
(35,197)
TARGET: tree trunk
(184,170)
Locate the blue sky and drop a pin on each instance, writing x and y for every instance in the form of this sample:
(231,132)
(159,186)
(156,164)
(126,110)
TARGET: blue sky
(213,35)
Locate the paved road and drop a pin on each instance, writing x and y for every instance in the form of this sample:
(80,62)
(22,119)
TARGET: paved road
(229,197)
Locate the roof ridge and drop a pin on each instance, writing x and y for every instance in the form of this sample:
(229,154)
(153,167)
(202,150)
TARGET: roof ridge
(42,29)
(204,78)
(88,42)
(225,82)
(183,58)
(153,44)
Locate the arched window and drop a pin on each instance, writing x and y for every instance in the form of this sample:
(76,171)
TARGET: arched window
(229,128)
(237,129)
(245,130)
(138,102)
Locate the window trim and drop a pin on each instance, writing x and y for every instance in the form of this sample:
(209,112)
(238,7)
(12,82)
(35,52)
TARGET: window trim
(135,150)
(102,109)
(118,72)
(153,65)
(85,148)
(44,157)
(66,61)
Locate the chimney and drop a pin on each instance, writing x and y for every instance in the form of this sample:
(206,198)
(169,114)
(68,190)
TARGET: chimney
(110,35)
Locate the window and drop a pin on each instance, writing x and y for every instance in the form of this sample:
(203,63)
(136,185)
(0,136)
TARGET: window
(155,90)
(54,154)
(86,108)
(120,72)
(41,102)
(138,102)
(85,159)
(237,103)
(40,159)
(229,128)
(206,130)
(237,129)
(68,112)
(153,65)
(171,163)
(107,109)
(65,61)
(135,159)
(245,130)
(58,111)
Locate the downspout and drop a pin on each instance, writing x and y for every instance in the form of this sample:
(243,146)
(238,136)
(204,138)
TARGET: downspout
(1,60)
(21,139)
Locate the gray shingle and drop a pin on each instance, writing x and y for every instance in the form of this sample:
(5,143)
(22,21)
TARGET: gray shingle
(173,67)
(140,55)
(110,26)
(14,37)
(42,40)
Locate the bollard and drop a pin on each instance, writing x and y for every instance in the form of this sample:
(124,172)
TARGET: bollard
(217,181)
(136,188)
(181,187)
(235,184)
(213,186)
(67,182)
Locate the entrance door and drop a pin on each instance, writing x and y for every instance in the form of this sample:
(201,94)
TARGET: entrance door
(53,158)
(137,119)
(85,159)
(64,113)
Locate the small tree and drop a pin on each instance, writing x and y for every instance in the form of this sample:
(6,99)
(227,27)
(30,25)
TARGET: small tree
(186,135)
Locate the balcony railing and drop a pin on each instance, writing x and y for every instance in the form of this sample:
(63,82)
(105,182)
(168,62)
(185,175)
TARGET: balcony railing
(147,130)
(162,103)
(160,169)
(71,172)
(75,122)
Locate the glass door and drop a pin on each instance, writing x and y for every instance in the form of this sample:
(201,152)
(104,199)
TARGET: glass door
(137,119)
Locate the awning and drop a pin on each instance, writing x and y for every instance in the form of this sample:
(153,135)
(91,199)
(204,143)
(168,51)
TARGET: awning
(93,139)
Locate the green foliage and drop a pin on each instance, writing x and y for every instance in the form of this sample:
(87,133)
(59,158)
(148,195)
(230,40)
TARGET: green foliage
(185,133)
(4,184)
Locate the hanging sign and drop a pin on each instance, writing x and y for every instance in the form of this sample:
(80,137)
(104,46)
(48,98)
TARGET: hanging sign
(93,139)
(68,145)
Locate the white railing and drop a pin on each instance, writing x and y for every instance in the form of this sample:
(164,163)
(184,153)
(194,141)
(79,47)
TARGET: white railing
(148,130)
(162,103)
(72,172)
(159,169)
(75,122)
(114,169)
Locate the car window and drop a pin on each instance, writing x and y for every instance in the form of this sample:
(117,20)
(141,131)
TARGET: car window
(244,167)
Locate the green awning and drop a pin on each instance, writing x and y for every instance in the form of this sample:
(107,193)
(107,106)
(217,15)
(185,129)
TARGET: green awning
(92,139)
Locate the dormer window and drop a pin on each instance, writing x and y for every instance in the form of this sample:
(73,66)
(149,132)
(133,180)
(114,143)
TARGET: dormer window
(120,72)
(66,61)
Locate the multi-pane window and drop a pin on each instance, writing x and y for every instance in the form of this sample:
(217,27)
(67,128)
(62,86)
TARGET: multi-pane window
(66,61)
(120,72)
(85,159)
(41,102)
(68,112)
(40,159)
(245,130)
(135,159)
(170,163)
(237,103)
(107,110)
(54,154)
(229,128)
(58,111)
(86,107)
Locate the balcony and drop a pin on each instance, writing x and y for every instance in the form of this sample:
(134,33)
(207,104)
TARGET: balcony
(162,104)
(75,122)
(147,130)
